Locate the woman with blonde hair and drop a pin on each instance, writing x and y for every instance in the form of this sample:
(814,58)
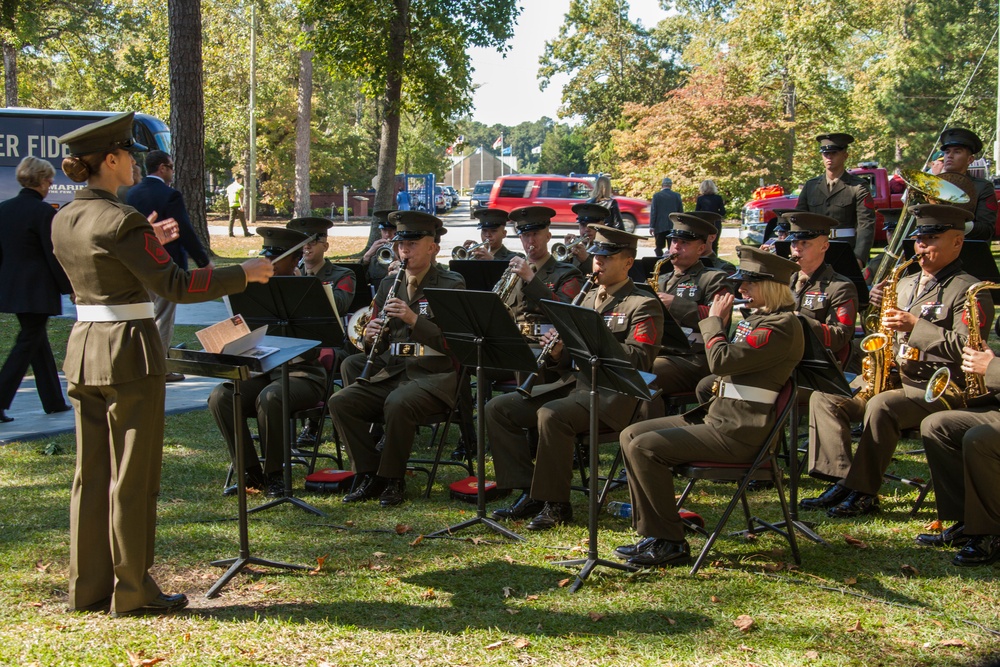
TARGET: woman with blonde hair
(603,197)
(709,199)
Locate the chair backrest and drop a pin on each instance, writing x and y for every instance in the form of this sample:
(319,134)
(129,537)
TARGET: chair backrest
(783,408)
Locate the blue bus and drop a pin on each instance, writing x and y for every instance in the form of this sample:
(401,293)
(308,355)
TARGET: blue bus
(25,132)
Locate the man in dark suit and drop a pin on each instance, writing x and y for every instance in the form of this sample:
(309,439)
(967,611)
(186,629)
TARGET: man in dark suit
(665,202)
(154,194)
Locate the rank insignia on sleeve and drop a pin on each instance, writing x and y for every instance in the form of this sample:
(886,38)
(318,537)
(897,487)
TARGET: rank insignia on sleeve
(200,280)
(645,332)
(346,284)
(758,337)
(846,314)
(156,250)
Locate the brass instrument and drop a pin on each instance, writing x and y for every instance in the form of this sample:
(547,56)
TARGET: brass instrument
(463,252)
(356,324)
(367,370)
(508,281)
(543,357)
(940,387)
(386,255)
(654,279)
(562,251)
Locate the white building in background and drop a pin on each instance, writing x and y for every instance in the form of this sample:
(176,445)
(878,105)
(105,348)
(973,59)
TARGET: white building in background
(478,165)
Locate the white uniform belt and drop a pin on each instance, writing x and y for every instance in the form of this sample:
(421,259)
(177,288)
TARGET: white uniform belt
(910,353)
(413,350)
(117,313)
(744,392)
(843,232)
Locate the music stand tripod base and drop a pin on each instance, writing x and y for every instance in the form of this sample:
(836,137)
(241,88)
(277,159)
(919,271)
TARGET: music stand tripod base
(237,564)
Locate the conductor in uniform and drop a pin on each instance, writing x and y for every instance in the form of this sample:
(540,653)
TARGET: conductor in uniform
(753,367)
(841,195)
(960,147)
(560,411)
(413,375)
(115,366)
(930,330)
(492,231)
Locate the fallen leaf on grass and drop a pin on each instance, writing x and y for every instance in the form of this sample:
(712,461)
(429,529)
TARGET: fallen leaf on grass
(935,525)
(521,642)
(35,604)
(509,559)
(42,567)
(908,570)
(715,598)
(477,540)
(594,616)
(812,655)
(136,659)
(512,611)
(951,642)
(402,529)
(349,524)
(507,591)
(320,560)
(747,649)
(850,581)
(429,594)
(856,627)
(187,636)
(416,542)
(379,554)
(494,646)
(530,597)
(744,622)
(550,557)
(564,582)
(669,620)
(855,542)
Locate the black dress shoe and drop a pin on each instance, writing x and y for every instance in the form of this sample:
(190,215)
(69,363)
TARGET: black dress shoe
(833,496)
(254,479)
(174,377)
(4,418)
(949,537)
(394,493)
(366,487)
(307,437)
(551,515)
(276,485)
(522,508)
(663,553)
(101,606)
(856,504)
(760,485)
(163,604)
(981,550)
(61,408)
(627,551)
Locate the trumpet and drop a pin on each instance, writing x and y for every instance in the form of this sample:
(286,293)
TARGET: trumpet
(366,372)
(386,255)
(562,251)
(463,252)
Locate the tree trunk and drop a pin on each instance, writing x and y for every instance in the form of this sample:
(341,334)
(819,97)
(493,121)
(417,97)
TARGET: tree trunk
(385,188)
(788,95)
(187,110)
(10,73)
(303,203)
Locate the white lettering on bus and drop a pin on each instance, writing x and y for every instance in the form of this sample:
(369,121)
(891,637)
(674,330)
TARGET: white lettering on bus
(12,141)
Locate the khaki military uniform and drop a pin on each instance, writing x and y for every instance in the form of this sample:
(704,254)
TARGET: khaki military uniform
(937,337)
(377,273)
(115,381)
(758,361)
(985,223)
(553,280)
(830,301)
(680,370)
(849,202)
(506,254)
(404,390)
(343,280)
(560,411)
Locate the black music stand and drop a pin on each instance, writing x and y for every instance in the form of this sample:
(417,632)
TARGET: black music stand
(294,307)
(481,333)
(589,342)
(238,368)
(479,274)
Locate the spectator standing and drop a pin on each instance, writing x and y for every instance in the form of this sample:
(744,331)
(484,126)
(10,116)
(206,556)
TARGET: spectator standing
(603,197)
(32,282)
(665,202)
(236,205)
(710,200)
(403,200)
(154,195)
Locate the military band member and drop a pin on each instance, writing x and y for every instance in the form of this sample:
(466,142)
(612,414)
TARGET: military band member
(586,215)
(492,230)
(561,411)
(753,368)
(315,263)
(828,299)
(708,256)
(387,229)
(687,292)
(964,457)
(960,148)
(261,396)
(842,196)
(413,374)
(115,368)
(930,330)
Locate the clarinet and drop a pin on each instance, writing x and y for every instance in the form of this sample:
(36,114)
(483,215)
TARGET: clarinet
(367,370)
(529,382)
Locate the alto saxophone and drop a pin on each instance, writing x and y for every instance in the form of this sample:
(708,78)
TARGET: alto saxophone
(940,385)
(654,279)
(876,367)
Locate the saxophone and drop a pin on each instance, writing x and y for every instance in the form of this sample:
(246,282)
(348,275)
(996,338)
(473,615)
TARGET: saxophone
(876,367)
(940,385)
(654,279)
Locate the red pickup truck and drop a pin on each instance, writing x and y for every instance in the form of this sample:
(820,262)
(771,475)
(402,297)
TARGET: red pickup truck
(758,213)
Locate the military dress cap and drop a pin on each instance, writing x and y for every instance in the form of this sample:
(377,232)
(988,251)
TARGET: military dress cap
(707,216)
(757,264)
(836,141)
(382,217)
(104,135)
(278,240)
(310,226)
(803,225)
(690,227)
(491,218)
(587,213)
(611,241)
(938,218)
(781,224)
(531,218)
(412,225)
(960,136)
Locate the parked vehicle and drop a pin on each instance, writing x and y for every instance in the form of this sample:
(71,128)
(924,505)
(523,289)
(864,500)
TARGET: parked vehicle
(452,194)
(559,193)
(480,197)
(440,200)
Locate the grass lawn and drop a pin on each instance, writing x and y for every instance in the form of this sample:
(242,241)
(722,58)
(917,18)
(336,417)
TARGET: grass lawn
(384,596)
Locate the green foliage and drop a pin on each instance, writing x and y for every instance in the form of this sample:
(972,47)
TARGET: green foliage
(563,151)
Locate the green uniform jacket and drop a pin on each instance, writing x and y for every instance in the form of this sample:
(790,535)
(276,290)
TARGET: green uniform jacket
(343,281)
(830,301)
(693,293)
(553,280)
(764,351)
(985,223)
(506,253)
(716,262)
(112,257)
(850,203)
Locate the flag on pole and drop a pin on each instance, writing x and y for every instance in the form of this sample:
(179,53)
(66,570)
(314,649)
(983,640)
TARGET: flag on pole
(506,151)
(499,142)
(449,150)
(537,150)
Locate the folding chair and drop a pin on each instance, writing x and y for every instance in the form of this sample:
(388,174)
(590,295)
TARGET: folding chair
(764,468)
(320,414)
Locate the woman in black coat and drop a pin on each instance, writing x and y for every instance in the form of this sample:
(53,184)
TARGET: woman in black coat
(709,199)
(32,284)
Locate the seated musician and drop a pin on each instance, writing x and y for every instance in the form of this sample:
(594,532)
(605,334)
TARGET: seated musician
(561,410)
(540,275)
(924,322)
(412,374)
(708,255)
(261,395)
(492,231)
(687,292)
(828,299)
(963,450)
(387,229)
(752,367)
(586,215)
(960,148)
